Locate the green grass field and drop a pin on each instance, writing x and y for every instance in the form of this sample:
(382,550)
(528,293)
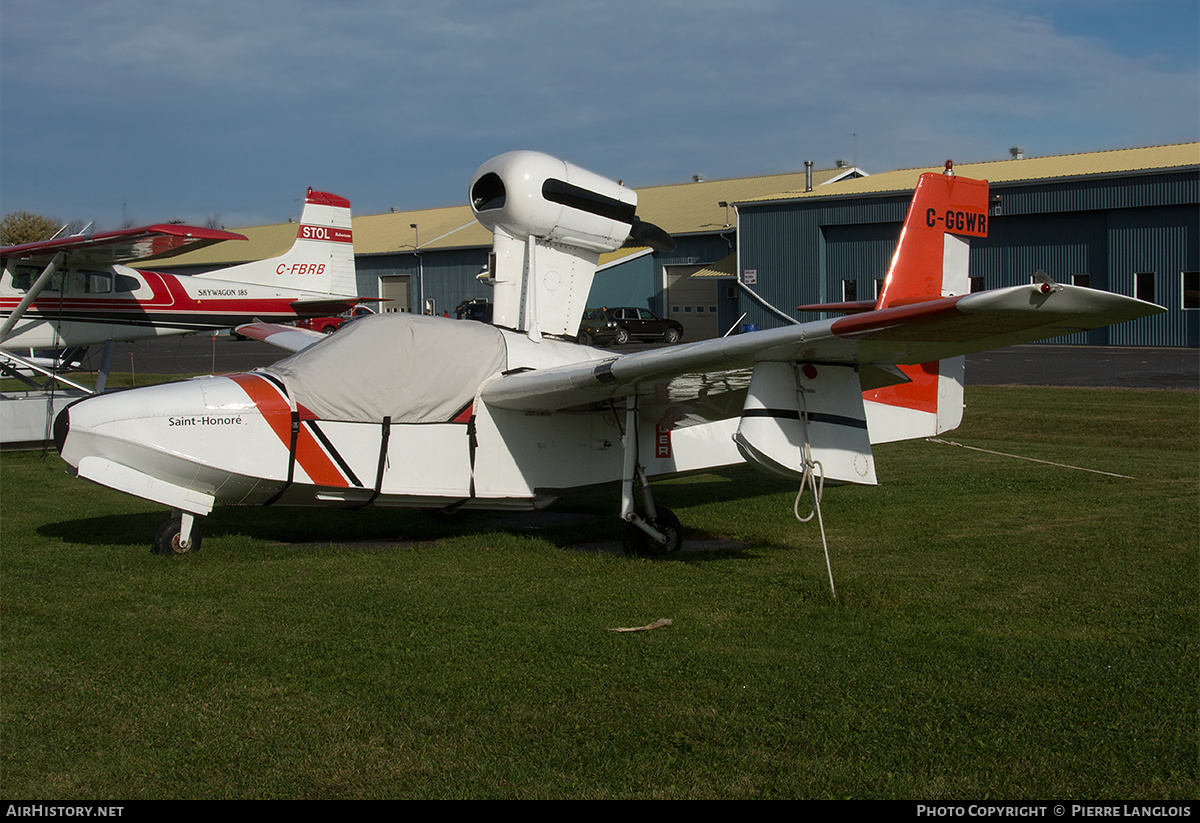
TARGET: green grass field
(1002,629)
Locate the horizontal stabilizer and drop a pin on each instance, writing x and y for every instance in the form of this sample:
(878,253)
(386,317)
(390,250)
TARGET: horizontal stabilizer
(288,338)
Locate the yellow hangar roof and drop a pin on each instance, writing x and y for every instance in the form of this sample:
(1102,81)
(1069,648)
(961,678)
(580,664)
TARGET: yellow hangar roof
(681,208)
(690,208)
(1061,167)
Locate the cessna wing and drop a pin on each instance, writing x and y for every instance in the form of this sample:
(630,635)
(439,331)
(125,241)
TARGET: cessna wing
(160,240)
(873,342)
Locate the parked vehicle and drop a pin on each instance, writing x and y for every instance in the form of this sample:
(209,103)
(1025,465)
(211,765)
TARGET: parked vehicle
(643,324)
(477,308)
(597,328)
(328,325)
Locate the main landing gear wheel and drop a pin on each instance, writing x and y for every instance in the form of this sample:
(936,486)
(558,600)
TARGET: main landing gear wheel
(166,541)
(637,542)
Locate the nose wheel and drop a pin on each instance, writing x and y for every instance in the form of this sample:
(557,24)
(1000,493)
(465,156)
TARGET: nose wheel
(179,535)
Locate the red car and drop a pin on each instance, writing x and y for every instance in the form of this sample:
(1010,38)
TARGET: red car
(328,325)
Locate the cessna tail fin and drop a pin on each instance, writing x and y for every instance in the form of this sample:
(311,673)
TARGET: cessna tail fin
(321,259)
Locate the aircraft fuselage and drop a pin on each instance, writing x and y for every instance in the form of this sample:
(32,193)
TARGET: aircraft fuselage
(88,306)
(244,439)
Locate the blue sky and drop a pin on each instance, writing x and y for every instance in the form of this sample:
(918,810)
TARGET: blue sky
(147,111)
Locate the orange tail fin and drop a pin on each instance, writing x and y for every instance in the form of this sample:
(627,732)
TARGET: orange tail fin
(931,262)
(931,258)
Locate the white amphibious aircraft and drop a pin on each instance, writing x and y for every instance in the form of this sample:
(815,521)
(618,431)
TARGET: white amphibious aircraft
(402,410)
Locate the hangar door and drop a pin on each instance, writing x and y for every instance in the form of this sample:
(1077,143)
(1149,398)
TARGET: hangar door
(394,289)
(692,301)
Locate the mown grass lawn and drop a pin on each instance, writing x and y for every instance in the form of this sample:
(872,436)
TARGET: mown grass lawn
(1002,629)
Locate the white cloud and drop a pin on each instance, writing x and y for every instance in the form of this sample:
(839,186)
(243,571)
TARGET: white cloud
(188,106)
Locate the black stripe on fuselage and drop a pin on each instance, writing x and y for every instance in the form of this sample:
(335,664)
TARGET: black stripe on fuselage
(813,417)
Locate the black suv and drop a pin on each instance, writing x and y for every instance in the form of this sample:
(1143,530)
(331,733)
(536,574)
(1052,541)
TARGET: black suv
(643,324)
(597,328)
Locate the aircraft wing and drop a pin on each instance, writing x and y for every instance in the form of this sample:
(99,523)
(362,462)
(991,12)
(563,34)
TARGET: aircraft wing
(159,241)
(289,338)
(324,306)
(875,341)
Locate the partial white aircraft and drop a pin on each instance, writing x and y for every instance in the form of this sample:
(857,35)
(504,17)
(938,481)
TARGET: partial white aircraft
(403,410)
(75,291)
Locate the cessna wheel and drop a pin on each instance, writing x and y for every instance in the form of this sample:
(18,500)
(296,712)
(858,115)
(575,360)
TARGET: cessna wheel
(166,541)
(636,542)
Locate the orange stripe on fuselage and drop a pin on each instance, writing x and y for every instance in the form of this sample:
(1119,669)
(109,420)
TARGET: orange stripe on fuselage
(278,414)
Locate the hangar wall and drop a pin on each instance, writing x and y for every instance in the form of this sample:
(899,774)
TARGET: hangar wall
(1137,235)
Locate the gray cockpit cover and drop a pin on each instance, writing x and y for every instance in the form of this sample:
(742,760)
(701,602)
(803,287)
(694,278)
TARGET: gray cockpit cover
(412,368)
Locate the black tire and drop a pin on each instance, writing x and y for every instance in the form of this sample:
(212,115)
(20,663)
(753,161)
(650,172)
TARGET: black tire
(636,542)
(329,330)
(672,336)
(584,339)
(622,337)
(166,540)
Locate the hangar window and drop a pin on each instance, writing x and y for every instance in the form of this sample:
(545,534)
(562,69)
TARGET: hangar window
(879,281)
(849,290)
(1143,286)
(977,284)
(1191,289)
(1084,280)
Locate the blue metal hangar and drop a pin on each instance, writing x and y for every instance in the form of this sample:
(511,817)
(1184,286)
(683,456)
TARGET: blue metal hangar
(750,250)
(1123,221)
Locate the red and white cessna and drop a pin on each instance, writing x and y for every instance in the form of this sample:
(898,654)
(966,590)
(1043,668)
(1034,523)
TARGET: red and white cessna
(74,291)
(402,410)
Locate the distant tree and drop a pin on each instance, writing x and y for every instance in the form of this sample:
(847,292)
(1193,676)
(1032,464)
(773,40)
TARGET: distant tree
(22,227)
